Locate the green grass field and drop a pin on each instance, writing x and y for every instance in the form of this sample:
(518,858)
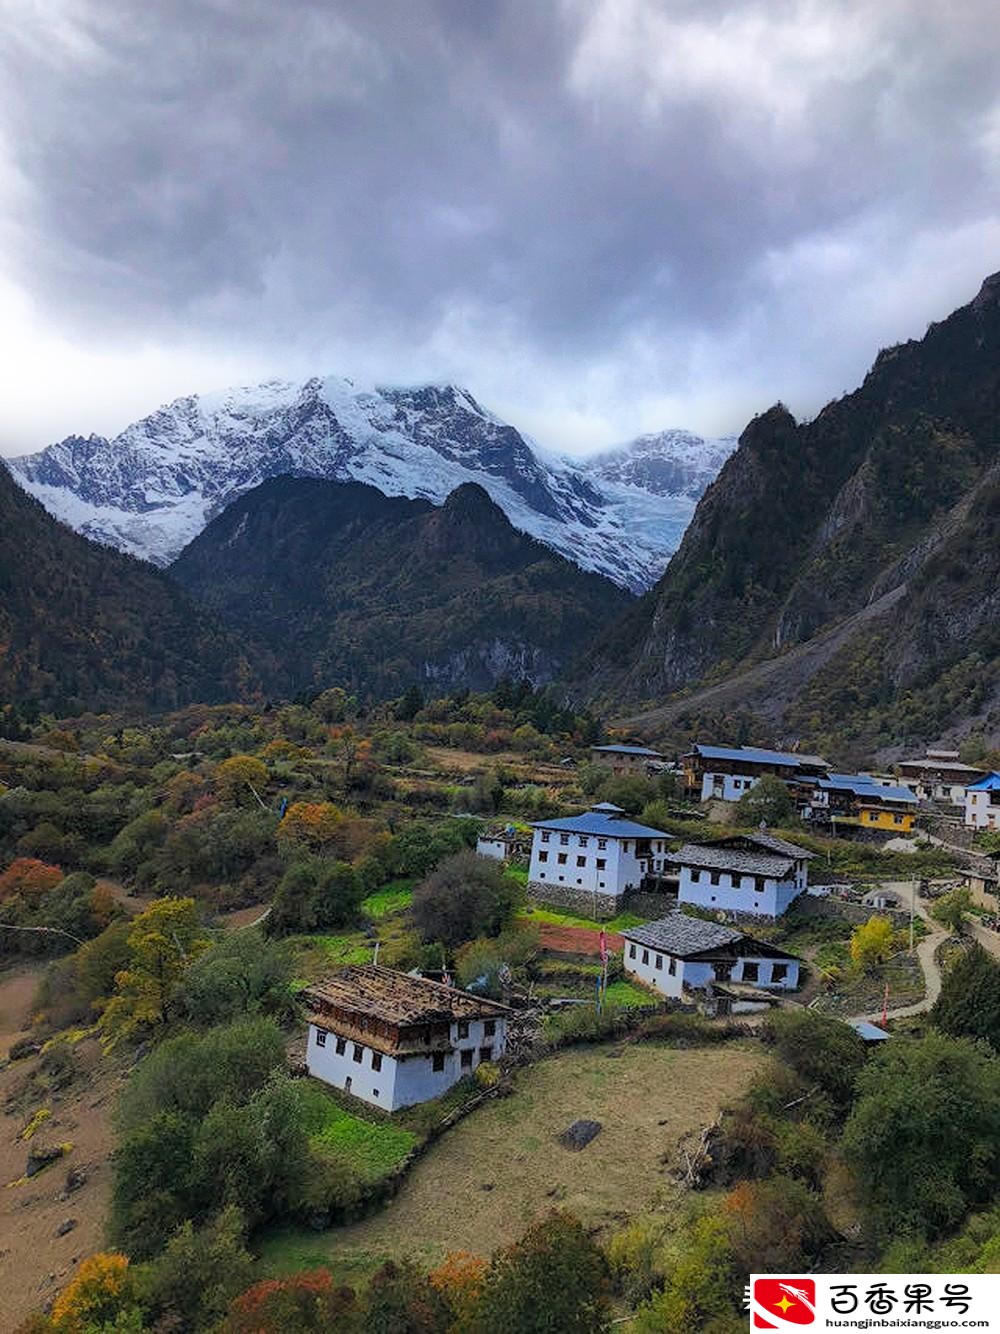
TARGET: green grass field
(389,900)
(556,918)
(372,1148)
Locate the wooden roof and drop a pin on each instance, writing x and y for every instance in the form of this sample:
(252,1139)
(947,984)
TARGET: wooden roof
(397,998)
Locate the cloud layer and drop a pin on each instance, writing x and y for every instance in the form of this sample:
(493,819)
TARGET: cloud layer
(604,216)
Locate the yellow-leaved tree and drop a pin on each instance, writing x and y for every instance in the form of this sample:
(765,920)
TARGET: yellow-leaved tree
(102,1292)
(310,824)
(241,778)
(163,941)
(871,943)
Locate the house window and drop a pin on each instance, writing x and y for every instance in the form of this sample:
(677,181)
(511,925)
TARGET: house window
(645,956)
(545,836)
(374,1093)
(486,1053)
(561,858)
(779,971)
(437,1061)
(672,967)
(714,877)
(541,875)
(625,846)
(320,1038)
(584,841)
(602,843)
(341,1046)
(601,863)
(467,1059)
(723,972)
(564,840)
(463,1028)
(631,951)
(659,962)
(359,1051)
(751,971)
(581,861)
(347,1084)
(695,877)
(489,1028)
(543,856)
(897,819)
(376,1060)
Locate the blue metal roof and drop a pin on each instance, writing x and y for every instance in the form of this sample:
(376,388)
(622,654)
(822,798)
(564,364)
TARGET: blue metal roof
(991,783)
(758,756)
(869,1032)
(863,785)
(631,750)
(603,826)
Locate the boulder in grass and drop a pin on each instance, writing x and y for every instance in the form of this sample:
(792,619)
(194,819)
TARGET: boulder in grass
(579,1134)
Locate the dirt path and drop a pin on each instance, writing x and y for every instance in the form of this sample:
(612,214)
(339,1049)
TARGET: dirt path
(928,964)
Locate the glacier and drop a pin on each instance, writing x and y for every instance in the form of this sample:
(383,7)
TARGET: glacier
(153,488)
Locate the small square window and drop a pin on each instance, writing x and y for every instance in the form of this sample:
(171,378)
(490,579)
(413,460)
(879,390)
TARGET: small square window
(561,858)
(564,840)
(602,843)
(583,840)
(463,1028)
(543,856)
(486,1053)
(695,877)
(545,836)
(438,1061)
(374,1093)
(489,1028)
(715,877)
(320,1038)
(581,861)
(602,863)
(341,1046)
(467,1059)
(376,1060)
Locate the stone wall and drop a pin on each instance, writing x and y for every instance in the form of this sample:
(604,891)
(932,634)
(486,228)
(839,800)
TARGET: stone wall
(583,902)
(809,906)
(648,904)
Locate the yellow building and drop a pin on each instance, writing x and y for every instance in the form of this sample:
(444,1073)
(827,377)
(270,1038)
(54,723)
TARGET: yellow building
(882,817)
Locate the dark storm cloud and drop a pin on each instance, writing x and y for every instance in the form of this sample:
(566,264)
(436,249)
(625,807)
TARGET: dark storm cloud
(608,192)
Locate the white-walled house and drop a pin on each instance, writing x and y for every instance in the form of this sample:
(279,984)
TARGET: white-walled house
(589,861)
(394,1040)
(680,953)
(757,875)
(727,773)
(982,803)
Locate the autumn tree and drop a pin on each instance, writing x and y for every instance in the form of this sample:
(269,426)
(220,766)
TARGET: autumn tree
(774,1224)
(101,1294)
(28,877)
(163,941)
(306,1303)
(191,1283)
(871,943)
(310,826)
(241,779)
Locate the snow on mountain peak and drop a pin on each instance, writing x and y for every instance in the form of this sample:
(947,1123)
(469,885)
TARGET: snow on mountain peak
(153,488)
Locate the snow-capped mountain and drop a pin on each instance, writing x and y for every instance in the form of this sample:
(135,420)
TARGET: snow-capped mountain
(155,486)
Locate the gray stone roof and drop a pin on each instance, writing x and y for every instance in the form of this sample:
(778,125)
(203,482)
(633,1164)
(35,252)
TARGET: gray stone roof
(771,843)
(680,935)
(731,859)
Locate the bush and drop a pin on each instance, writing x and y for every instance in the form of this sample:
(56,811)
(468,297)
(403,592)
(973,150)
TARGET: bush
(969,1003)
(768,802)
(822,1051)
(923,1139)
(466,896)
(192,1283)
(243,974)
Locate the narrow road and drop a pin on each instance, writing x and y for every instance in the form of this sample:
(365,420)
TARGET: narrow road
(928,964)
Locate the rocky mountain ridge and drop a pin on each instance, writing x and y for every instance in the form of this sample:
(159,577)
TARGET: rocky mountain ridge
(154,487)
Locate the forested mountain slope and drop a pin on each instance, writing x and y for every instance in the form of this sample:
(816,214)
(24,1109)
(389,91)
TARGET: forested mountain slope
(893,487)
(84,627)
(345,585)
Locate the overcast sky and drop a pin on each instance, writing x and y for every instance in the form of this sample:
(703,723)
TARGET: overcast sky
(601,216)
